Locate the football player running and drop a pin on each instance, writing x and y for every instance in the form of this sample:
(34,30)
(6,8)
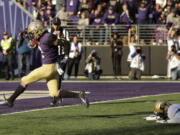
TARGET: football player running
(47,44)
(63,53)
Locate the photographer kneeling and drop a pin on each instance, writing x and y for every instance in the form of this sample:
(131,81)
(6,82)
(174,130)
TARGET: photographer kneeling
(174,62)
(137,64)
(92,69)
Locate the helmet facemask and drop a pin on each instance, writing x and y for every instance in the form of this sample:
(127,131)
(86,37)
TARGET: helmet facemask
(160,108)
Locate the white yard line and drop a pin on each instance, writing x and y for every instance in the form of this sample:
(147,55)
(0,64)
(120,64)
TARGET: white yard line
(50,108)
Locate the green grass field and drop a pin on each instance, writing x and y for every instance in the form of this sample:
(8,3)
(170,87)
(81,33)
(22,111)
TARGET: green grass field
(120,117)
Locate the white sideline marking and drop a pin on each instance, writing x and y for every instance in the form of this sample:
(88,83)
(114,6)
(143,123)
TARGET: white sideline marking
(105,81)
(43,109)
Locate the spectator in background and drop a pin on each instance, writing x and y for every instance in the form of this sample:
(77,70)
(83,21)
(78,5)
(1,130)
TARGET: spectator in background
(72,5)
(24,52)
(49,14)
(7,45)
(137,64)
(177,7)
(118,6)
(125,17)
(72,18)
(74,57)
(157,14)
(34,9)
(92,69)
(83,22)
(171,18)
(97,31)
(162,18)
(142,14)
(133,9)
(104,5)
(167,10)
(62,15)
(110,20)
(84,6)
(42,17)
(100,9)
(91,16)
(116,55)
(59,3)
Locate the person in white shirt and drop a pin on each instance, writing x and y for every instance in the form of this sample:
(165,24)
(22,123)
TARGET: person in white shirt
(172,40)
(74,57)
(172,17)
(132,47)
(174,63)
(170,37)
(137,64)
(62,15)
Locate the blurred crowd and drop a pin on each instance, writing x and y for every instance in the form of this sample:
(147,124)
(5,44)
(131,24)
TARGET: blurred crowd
(57,14)
(106,12)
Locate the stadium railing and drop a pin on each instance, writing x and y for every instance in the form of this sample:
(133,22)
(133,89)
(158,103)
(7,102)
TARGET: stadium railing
(147,34)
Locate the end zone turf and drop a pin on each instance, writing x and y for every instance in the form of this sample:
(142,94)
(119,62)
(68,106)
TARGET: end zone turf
(120,117)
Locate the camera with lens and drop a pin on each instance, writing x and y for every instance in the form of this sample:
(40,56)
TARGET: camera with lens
(173,49)
(23,34)
(138,50)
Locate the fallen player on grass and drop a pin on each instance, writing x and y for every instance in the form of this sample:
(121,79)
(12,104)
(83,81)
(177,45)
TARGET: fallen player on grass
(164,112)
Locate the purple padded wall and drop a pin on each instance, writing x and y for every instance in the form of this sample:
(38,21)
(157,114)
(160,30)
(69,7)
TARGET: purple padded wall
(12,18)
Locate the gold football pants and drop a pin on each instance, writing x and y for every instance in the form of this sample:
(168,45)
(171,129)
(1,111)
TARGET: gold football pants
(48,72)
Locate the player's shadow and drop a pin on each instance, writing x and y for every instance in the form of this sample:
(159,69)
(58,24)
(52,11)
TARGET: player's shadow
(117,115)
(77,117)
(130,102)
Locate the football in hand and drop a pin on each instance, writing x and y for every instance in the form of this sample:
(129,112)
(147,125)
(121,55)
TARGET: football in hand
(32,43)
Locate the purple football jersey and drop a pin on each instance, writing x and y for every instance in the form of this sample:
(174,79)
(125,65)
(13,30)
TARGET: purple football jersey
(49,53)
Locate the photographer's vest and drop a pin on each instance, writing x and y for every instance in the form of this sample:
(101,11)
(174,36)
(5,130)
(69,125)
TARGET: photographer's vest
(6,44)
(137,62)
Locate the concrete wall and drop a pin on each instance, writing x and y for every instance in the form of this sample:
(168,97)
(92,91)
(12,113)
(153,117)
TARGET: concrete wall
(155,63)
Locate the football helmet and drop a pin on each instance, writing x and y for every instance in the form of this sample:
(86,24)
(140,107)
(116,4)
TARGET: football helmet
(35,29)
(56,21)
(160,107)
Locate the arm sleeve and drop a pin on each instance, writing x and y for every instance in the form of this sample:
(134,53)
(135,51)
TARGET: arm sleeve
(175,120)
(133,55)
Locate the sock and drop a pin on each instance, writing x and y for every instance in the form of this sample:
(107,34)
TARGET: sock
(54,100)
(20,89)
(60,81)
(68,94)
